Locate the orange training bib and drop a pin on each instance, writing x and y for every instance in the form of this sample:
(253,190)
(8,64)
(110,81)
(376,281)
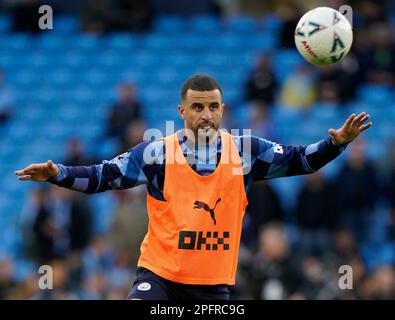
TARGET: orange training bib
(193,237)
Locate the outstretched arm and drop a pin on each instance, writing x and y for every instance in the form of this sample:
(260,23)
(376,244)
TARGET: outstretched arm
(275,160)
(124,171)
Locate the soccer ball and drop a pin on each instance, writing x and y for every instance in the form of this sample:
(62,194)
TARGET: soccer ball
(323,36)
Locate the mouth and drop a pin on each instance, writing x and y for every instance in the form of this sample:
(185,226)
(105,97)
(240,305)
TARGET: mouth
(205,126)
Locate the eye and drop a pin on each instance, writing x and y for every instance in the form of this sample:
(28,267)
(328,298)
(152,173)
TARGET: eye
(214,106)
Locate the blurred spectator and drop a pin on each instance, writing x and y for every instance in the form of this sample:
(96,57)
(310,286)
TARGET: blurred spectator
(26,289)
(99,16)
(299,89)
(7,283)
(261,84)
(316,211)
(328,94)
(130,221)
(290,13)
(345,75)
(344,251)
(6,101)
(345,246)
(184,8)
(358,189)
(383,283)
(133,135)
(372,11)
(76,155)
(61,289)
(319,283)
(62,223)
(273,274)
(126,109)
(25,15)
(93,287)
(98,257)
(138,15)
(121,276)
(264,207)
(390,189)
(381,58)
(359,278)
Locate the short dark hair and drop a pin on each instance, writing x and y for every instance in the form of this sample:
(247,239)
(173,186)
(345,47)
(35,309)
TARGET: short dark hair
(199,82)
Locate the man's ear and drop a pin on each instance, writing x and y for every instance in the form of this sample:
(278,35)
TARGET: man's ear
(181,111)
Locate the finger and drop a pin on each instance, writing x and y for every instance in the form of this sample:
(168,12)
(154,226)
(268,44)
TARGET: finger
(366,126)
(21,172)
(364,119)
(349,120)
(24,178)
(28,169)
(357,119)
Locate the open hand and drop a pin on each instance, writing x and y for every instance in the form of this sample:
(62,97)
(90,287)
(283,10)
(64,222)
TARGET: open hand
(350,129)
(38,171)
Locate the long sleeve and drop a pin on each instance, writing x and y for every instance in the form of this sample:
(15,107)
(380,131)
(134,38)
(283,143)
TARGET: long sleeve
(124,171)
(276,160)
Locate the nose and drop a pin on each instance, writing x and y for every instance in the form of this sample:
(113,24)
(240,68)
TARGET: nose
(206,114)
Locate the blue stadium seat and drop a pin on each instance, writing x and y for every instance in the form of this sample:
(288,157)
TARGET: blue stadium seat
(324,114)
(264,42)
(86,42)
(121,41)
(241,23)
(270,23)
(288,190)
(159,41)
(15,41)
(375,94)
(53,41)
(103,217)
(376,255)
(42,60)
(169,23)
(204,23)
(284,115)
(285,62)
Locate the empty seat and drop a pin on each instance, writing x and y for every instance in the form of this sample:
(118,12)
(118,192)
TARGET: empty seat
(169,23)
(204,23)
(375,94)
(240,23)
